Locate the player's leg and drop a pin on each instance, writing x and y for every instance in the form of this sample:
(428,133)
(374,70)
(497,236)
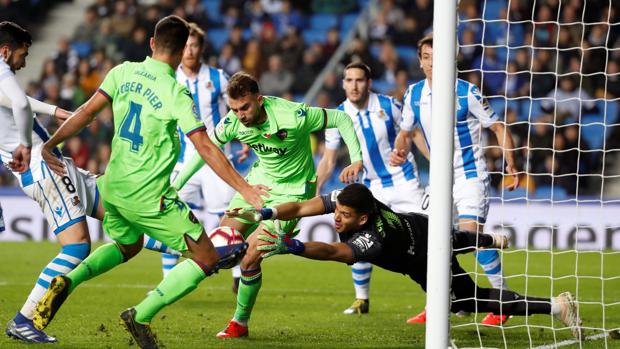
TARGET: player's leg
(65,200)
(251,273)
(217,196)
(128,242)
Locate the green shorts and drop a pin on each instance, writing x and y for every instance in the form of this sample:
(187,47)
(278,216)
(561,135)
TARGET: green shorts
(168,226)
(273,200)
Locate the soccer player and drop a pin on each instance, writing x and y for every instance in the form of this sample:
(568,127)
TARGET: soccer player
(65,200)
(148,106)
(208,88)
(376,118)
(370,231)
(471,181)
(279,132)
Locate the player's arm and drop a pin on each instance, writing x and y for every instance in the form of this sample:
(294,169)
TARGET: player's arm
(215,158)
(320,118)
(82,116)
(39,107)
(504,140)
(23,120)
(481,109)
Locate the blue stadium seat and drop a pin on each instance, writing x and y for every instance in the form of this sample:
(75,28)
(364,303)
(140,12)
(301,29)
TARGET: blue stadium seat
(82,48)
(519,193)
(555,193)
(212,8)
(593,130)
(314,35)
(498,104)
(347,21)
(218,37)
(407,54)
(382,86)
(375,51)
(323,21)
(362,3)
(492,9)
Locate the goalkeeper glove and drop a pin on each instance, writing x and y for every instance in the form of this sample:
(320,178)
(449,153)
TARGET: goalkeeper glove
(279,243)
(252,214)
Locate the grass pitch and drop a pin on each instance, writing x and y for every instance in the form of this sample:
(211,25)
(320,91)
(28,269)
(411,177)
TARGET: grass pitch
(301,301)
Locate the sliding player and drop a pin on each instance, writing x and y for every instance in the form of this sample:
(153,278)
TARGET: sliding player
(376,118)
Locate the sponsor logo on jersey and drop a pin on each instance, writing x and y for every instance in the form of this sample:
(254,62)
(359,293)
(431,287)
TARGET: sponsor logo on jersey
(246,133)
(282,134)
(75,200)
(259,147)
(58,211)
(363,242)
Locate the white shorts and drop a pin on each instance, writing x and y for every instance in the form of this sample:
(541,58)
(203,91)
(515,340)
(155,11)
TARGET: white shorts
(403,198)
(471,198)
(65,200)
(205,186)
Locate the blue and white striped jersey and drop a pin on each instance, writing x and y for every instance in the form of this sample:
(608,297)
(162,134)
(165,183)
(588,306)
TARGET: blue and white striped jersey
(472,112)
(376,129)
(9,140)
(209,92)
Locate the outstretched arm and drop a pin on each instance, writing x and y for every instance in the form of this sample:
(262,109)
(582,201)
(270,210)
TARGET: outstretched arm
(80,118)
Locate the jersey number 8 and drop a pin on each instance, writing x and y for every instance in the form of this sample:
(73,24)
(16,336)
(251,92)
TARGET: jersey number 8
(126,132)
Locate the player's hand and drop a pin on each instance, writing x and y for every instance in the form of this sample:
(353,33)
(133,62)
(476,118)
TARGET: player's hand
(244,153)
(55,164)
(253,195)
(61,115)
(278,243)
(350,174)
(250,214)
(515,177)
(398,157)
(21,159)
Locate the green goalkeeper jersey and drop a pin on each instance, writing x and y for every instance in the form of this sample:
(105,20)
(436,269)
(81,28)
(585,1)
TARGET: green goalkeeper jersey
(281,143)
(148,105)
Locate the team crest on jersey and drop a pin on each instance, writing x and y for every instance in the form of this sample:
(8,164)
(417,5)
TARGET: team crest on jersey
(301,113)
(382,115)
(267,135)
(282,134)
(209,85)
(75,200)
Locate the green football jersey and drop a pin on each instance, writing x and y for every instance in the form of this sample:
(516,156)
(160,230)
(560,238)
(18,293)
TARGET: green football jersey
(282,142)
(148,105)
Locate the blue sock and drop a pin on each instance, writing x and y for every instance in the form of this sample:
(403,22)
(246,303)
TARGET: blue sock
(490,261)
(168,261)
(361,272)
(157,246)
(68,258)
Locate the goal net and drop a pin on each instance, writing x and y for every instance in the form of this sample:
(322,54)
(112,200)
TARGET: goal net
(549,69)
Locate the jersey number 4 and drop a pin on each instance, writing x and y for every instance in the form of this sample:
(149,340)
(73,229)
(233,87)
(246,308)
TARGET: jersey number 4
(130,127)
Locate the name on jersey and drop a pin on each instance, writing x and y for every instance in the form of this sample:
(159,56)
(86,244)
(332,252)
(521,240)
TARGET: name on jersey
(267,149)
(136,87)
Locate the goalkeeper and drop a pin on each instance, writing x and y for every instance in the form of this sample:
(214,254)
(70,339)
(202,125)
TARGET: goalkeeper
(371,232)
(279,132)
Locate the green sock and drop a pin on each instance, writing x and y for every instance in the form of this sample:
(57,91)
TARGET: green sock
(181,280)
(101,260)
(251,281)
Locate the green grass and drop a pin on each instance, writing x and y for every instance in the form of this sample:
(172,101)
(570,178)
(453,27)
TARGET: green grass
(300,304)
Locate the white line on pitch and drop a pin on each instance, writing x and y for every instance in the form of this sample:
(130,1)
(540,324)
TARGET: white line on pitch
(571,341)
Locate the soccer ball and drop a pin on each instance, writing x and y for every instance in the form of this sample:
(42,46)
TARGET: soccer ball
(225,236)
(229,244)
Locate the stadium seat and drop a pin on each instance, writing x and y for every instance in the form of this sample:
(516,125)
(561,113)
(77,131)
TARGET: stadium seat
(314,35)
(492,9)
(519,193)
(323,21)
(407,54)
(218,37)
(375,51)
(498,104)
(212,8)
(381,86)
(347,22)
(593,130)
(82,48)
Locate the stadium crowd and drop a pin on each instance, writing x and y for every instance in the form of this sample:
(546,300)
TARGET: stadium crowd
(571,74)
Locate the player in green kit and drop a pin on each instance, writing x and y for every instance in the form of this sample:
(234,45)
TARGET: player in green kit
(279,132)
(148,106)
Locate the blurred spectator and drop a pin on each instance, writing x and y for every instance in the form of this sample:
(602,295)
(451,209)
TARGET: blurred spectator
(493,71)
(307,72)
(78,151)
(276,80)
(568,102)
(107,40)
(287,18)
(332,43)
(333,87)
(401,84)
(103,8)
(336,7)
(70,93)
(123,22)
(87,30)
(65,58)
(228,61)
(137,47)
(195,12)
(424,13)
(231,18)
(236,41)
(88,78)
(409,33)
(252,61)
